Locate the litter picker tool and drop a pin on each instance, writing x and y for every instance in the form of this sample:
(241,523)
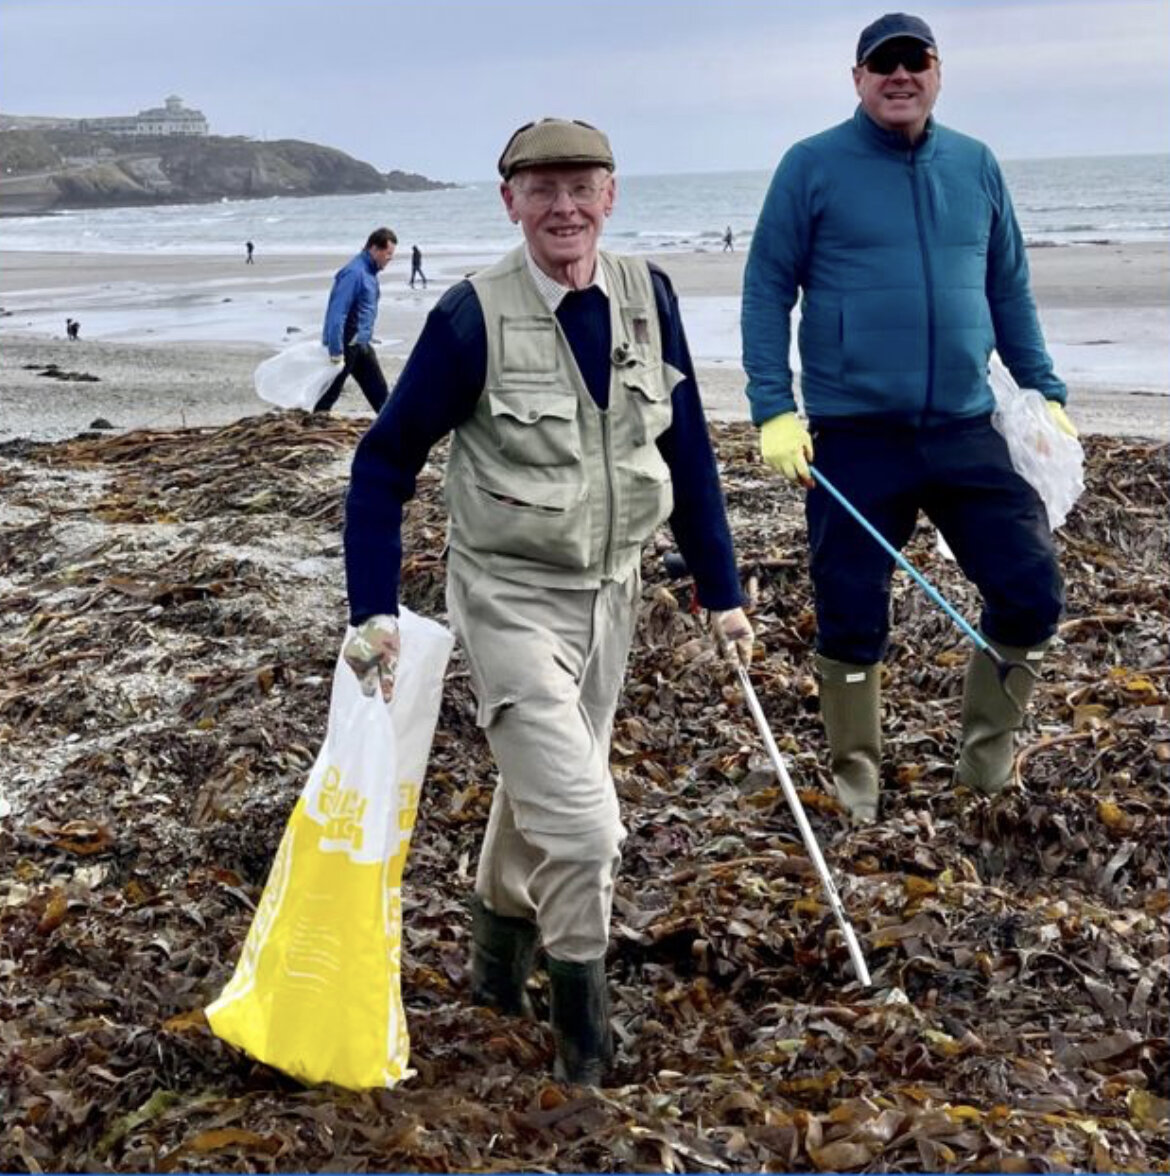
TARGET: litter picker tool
(1003,667)
(676,567)
(810,842)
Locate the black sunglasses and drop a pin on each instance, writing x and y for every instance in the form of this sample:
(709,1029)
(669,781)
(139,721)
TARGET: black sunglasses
(915,56)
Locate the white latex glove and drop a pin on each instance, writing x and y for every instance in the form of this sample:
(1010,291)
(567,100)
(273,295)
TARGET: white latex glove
(372,654)
(733,634)
(335,359)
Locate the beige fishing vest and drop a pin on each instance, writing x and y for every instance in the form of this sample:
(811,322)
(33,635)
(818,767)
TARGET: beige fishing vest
(542,486)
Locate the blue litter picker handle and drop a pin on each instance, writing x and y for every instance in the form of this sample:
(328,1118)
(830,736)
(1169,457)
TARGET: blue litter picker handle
(1003,666)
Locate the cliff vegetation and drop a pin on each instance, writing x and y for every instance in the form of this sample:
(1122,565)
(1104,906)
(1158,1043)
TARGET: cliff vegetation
(44,170)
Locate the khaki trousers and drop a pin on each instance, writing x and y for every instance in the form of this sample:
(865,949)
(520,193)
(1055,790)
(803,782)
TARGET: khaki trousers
(547,667)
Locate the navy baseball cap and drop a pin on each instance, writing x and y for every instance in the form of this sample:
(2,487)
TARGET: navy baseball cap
(888,27)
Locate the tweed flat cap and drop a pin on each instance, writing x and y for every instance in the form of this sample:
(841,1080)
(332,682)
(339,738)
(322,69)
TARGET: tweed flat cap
(554,141)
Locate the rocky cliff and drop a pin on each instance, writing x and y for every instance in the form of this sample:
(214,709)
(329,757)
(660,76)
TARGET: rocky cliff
(42,170)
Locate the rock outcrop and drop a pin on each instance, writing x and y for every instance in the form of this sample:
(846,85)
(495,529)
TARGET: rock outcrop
(43,170)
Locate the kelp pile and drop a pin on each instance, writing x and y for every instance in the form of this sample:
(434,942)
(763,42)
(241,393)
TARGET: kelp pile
(174,603)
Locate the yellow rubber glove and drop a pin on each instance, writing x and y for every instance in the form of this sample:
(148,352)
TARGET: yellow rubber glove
(1060,419)
(733,634)
(786,446)
(372,654)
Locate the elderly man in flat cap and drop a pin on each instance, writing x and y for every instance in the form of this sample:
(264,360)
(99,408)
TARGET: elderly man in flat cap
(899,236)
(564,375)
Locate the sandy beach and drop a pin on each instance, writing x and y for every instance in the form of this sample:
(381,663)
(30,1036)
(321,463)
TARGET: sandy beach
(173,340)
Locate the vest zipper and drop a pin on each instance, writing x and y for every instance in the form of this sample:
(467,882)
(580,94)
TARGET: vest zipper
(926,407)
(610,512)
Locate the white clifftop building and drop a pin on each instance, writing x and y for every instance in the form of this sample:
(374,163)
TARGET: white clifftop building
(172,119)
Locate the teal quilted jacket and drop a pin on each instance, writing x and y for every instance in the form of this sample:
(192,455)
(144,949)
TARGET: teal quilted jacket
(910,268)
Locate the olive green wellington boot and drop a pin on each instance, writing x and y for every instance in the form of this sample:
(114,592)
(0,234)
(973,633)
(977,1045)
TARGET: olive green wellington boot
(579,1011)
(850,704)
(502,954)
(992,713)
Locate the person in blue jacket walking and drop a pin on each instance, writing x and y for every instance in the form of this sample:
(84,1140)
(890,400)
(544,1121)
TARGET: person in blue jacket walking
(900,238)
(349,322)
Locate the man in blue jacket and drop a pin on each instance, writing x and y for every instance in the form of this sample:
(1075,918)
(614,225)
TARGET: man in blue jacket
(900,237)
(350,318)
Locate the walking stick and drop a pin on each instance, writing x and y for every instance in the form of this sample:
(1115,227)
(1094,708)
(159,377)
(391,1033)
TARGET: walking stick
(810,841)
(1003,667)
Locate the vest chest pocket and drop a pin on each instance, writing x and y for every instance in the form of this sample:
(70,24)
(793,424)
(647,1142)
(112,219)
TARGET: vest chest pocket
(536,427)
(649,397)
(528,348)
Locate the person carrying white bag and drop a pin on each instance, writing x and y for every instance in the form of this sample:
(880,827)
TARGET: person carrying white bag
(312,375)
(348,332)
(897,236)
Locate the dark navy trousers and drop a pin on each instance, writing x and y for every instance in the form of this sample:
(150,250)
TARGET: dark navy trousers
(361,362)
(960,475)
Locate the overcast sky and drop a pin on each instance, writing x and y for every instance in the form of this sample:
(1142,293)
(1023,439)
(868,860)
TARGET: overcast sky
(436,86)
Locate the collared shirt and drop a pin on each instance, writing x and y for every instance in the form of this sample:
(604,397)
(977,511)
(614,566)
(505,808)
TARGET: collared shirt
(439,388)
(551,291)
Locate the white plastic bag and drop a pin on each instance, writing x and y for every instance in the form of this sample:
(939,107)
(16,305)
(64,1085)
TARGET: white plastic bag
(1051,461)
(297,376)
(316,989)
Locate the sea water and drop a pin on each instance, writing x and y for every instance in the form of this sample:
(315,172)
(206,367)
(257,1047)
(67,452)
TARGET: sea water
(1058,202)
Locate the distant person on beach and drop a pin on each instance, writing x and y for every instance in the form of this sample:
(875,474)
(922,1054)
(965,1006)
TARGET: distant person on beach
(250,249)
(900,238)
(728,240)
(72,329)
(416,270)
(349,322)
(564,374)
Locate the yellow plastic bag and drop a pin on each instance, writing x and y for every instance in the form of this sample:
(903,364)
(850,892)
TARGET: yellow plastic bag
(316,990)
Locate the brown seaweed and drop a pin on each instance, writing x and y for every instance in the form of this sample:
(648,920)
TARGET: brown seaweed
(174,602)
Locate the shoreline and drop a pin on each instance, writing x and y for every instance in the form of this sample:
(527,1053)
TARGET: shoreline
(173,339)
(1062,275)
(177,385)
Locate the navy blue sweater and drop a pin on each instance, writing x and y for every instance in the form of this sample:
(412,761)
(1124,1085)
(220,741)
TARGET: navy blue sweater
(438,390)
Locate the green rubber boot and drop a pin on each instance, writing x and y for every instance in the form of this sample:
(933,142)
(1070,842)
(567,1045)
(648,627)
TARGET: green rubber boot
(992,713)
(850,705)
(503,951)
(579,1012)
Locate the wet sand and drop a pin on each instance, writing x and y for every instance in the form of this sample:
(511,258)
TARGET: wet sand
(1088,296)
